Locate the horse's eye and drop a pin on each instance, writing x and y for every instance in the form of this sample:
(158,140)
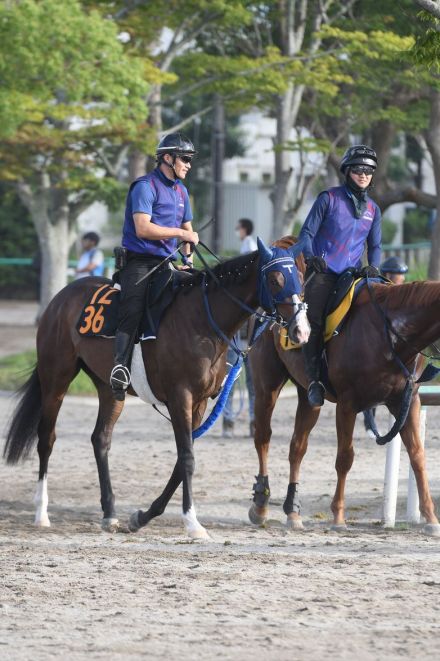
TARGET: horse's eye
(277,280)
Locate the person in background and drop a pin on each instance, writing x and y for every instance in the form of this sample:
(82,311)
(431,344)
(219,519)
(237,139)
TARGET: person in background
(394,269)
(91,261)
(244,231)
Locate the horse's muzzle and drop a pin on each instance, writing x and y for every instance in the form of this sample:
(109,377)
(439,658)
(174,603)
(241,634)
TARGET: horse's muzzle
(298,327)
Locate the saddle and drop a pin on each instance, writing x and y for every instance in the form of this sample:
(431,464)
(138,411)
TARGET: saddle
(340,301)
(99,316)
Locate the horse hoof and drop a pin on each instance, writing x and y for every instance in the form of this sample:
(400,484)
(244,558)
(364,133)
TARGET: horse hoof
(198,533)
(42,523)
(110,525)
(256,517)
(339,527)
(432,529)
(133,522)
(294,523)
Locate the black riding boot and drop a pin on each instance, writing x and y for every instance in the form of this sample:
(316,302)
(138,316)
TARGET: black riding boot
(312,357)
(120,376)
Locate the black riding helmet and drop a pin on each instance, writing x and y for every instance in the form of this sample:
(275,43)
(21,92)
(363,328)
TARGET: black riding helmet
(393,265)
(358,155)
(175,143)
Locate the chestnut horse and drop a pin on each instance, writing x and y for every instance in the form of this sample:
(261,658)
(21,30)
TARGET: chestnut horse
(364,372)
(185,366)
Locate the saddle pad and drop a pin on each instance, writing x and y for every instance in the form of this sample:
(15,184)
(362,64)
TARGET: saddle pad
(99,317)
(332,322)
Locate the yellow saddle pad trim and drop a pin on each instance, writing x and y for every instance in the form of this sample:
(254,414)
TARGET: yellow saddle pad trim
(331,323)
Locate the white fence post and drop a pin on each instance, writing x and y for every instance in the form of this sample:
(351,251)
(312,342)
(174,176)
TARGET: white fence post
(412,504)
(391,481)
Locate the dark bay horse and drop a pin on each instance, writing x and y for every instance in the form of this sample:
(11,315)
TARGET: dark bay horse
(364,373)
(185,366)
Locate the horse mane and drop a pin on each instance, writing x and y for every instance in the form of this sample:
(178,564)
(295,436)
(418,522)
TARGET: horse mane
(411,294)
(236,270)
(287,242)
(229,271)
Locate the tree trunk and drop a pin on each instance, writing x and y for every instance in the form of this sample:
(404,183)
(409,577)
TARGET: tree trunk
(432,136)
(137,162)
(54,246)
(283,171)
(49,210)
(294,15)
(218,154)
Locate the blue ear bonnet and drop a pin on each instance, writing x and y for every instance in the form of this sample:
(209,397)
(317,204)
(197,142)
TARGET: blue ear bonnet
(277,259)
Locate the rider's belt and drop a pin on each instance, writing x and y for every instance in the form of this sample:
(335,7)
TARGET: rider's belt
(149,260)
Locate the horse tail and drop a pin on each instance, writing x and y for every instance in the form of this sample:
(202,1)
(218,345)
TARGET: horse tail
(22,433)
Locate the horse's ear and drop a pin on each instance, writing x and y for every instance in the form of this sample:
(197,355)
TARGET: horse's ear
(264,251)
(296,249)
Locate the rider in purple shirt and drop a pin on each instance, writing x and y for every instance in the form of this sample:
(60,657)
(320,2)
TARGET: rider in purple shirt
(157,216)
(334,234)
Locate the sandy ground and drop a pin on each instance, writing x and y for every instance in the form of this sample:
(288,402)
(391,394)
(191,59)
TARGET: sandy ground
(73,591)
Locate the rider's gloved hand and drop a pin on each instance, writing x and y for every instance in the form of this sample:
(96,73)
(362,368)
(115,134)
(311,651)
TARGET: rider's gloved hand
(369,272)
(317,264)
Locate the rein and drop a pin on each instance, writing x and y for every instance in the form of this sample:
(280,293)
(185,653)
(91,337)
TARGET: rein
(409,386)
(263,317)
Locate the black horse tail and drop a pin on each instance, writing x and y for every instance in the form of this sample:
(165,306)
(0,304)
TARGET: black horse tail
(22,432)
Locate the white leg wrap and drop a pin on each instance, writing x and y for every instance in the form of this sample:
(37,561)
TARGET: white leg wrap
(41,500)
(193,528)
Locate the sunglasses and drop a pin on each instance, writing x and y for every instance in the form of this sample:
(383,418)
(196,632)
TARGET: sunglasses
(185,159)
(362,169)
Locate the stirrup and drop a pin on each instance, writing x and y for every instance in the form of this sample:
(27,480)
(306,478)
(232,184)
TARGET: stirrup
(315,393)
(120,378)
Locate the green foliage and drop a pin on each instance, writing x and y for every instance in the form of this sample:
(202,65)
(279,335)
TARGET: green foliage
(68,91)
(19,239)
(416,225)
(15,370)
(389,230)
(426,50)
(381,71)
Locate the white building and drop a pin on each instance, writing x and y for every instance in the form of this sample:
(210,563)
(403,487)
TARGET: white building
(248,179)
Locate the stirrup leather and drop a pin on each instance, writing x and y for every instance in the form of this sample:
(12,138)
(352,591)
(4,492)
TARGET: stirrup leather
(120,377)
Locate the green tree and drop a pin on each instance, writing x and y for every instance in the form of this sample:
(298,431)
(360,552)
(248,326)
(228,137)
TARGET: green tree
(19,239)
(70,101)
(143,25)
(431,6)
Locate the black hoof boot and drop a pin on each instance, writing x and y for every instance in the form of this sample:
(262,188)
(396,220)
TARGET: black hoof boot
(315,394)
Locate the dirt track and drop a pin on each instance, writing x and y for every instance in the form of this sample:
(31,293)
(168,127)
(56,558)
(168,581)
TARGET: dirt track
(76,592)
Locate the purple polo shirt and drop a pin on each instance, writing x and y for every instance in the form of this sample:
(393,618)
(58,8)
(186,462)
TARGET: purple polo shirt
(167,203)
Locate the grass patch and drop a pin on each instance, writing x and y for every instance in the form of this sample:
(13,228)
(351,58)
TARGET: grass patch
(16,369)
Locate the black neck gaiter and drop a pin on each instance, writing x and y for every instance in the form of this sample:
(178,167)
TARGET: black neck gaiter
(358,195)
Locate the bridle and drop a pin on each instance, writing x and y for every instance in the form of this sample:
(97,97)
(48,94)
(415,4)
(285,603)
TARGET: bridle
(267,300)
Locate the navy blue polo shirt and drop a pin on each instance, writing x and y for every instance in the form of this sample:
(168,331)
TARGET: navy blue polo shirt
(167,203)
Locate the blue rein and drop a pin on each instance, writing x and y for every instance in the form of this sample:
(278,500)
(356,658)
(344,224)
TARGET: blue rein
(264,318)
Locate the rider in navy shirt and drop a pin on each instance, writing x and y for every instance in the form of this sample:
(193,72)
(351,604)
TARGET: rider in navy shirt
(334,234)
(157,217)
